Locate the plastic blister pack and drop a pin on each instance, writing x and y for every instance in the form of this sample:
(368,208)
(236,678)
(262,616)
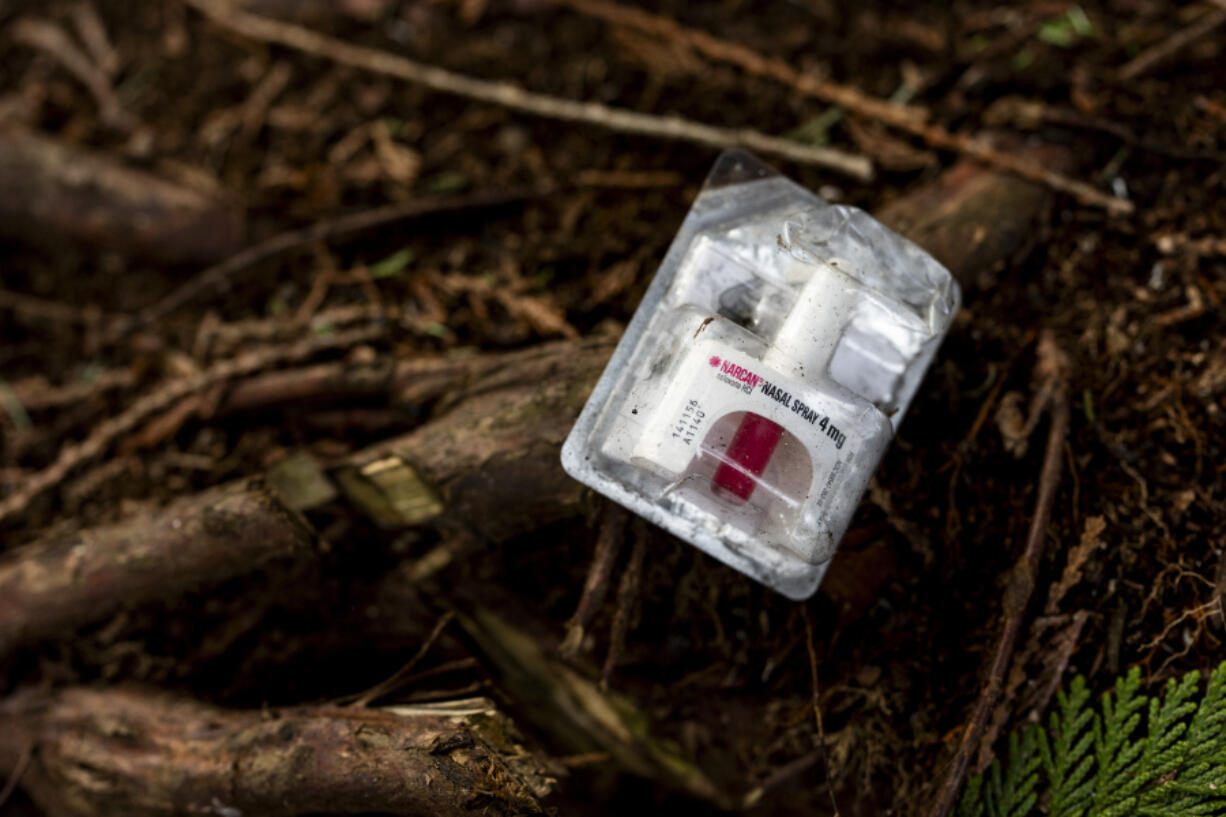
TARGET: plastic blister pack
(764,374)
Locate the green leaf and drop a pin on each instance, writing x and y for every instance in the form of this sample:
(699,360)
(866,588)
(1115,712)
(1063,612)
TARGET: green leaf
(13,407)
(449,181)
(1067,29)
(816,131)
(394,264)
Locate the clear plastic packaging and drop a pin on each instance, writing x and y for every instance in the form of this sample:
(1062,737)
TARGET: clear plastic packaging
(764,374)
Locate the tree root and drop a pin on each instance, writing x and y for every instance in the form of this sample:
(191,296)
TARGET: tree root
(54,191)
(63,581)
(146,754)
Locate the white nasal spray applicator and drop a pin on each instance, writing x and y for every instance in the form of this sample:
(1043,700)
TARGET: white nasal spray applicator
(802,348)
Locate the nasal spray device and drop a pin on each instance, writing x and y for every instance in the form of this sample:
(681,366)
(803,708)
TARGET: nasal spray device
(763,375)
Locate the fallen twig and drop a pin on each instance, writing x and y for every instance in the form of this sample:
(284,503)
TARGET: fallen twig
(407,386)
(1052,369)
(896,116)
(18,771)
(48,37)
(31,309)
(1056,663)
(781,775)
(408,383)
(1172,45)
(418,379)
(74,455)
(816,697)
(1027,114)
(215,339)
(36,393)
(390,683)
(627,603)
(218,276)
(516,98)
(63,581)
(97,42)
(146,754)
(608,546)
(1173,243)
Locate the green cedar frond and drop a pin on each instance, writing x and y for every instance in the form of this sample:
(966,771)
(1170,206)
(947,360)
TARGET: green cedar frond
(1114,754)
(1010,790)
(1206,738)
(1165,752)
(971,804)
(1068,761)
(1016,795)
(1102,762)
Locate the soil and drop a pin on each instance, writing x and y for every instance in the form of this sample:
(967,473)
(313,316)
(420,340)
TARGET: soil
(717,663)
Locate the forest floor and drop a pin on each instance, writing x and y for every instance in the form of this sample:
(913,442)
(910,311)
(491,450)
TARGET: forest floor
(719,665)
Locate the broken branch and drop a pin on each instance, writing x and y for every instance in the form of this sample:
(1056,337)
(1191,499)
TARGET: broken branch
(1157,54)
(512,96)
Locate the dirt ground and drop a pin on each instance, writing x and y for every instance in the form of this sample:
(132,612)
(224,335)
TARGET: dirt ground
(719,665)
